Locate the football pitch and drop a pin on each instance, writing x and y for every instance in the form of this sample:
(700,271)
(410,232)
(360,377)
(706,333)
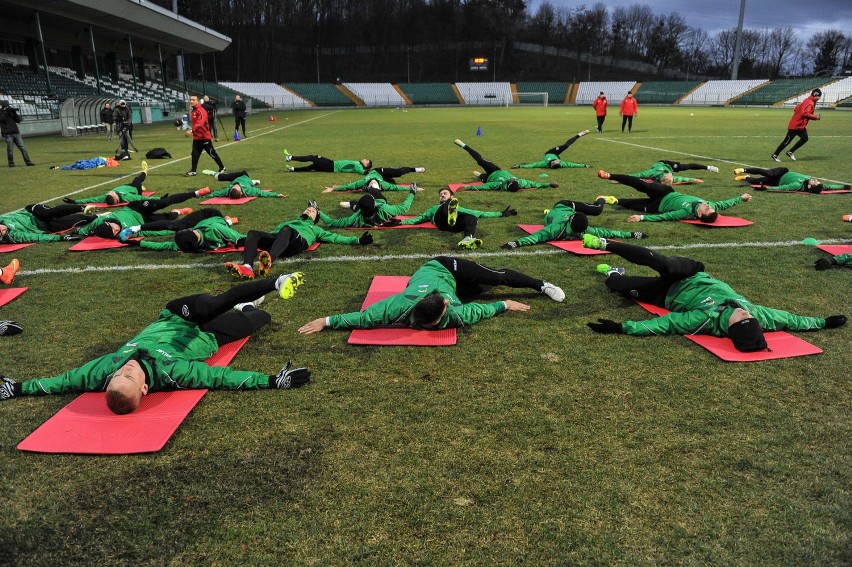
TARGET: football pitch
(532,441)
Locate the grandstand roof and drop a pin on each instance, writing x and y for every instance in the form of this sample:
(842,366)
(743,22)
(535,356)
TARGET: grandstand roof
(114,20)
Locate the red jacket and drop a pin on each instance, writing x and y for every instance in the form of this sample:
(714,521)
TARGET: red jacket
(600,105)
(804,111)
(200,125)
(629,106)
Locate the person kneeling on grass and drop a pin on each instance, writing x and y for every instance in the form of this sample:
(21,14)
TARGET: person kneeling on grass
(699,303)
(551,157)
(782,179)
(495,179)
(435,296)
(668,203)
(568,220)
(199,231)
(287,239)
(169,353)
(449,217)
(241,186)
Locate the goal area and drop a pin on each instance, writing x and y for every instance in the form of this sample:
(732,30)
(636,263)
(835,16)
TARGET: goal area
(530,99)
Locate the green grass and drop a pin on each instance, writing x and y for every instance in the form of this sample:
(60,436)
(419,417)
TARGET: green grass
(533,441)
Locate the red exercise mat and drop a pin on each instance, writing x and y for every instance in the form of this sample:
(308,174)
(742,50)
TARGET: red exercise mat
(14,247)
(227,201)
(380,288)
(97,243)
(721,222)
(781,343)
(836,249)
(122,204)
(7,294)
(225,250)
(572,246)
(87,427)
(400,217)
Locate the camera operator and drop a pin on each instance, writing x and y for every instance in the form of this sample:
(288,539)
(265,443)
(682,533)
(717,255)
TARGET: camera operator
(124,127)
(9,121)
(210,107)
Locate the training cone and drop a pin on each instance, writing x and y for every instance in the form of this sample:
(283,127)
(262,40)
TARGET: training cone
(236,136)
(272,118)
(479,131)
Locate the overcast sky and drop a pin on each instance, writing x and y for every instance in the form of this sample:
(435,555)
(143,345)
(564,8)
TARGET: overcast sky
(807,17)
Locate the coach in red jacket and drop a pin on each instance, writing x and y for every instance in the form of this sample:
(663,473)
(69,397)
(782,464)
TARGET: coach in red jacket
(201,136)
(798,125)
(629,109)
(600,105)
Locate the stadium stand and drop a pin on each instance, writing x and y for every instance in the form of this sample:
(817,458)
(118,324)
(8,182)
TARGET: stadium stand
(663,92)
(614,90)
(220,93)
(485,94)
(831,93)
(376,94)
(321,94)
(429,93)
(270,93)
(777,91)
(556,92)
(720,92)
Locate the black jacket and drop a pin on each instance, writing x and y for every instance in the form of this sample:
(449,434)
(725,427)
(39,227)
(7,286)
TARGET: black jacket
(9,121)
(239,108)
(106,116)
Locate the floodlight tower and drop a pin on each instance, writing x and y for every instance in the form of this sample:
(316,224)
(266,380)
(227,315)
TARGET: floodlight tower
(738,45)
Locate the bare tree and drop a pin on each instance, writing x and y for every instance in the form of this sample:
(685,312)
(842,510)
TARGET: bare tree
(780,47)
(828,47)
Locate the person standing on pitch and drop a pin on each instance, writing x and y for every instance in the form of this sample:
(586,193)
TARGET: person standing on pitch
(600,105)
(239,108)
(798,125)
(202,139)
(629,109)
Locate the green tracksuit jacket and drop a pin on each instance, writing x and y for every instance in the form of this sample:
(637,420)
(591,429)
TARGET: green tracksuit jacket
(24,227)
(556,227)
(312,233)
(372,174)
(545,163)
(844,259)
(249,190)
(396,309)
(792,181)
(384,213)
(656,172)
(498,181)
(125,217)
(348,166)
(126,194)
(429,215)
(215,233)
(172,352)
(696,308)
(677,206)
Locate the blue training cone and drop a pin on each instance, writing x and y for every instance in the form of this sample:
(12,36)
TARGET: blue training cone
(479,131)
(236,135)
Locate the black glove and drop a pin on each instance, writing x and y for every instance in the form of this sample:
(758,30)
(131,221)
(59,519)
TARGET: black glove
(835,321)
(605,326)
(132,241)
(69,200)
(313,205)
(847,186)
(287,378)
(638,234)
(9,328)
(8,388)
(366,238)
(509,212)
(824,263)
(71,237)
(509,245)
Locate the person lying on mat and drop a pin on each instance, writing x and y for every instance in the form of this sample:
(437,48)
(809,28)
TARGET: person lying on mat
(828,263)
(495,179)
(207,229)
(449,217)
(568,220)
(668,204)
(551,157)
(169,354)
(379,178)
(663,171)
(121,194)
(699,303)
(241,185)
(136,214)
(320,163)
(371,209)
(287,239)
(782,179)
(35,223)
(435,298)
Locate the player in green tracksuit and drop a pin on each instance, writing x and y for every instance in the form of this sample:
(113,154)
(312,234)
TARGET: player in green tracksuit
(210,233)
(448,216)
(242,185)
(568,220)
(374,179)
(663,171)
(320,163)
(121,194)
(668,203)
(370,210)
(34,223)
(551,157)
(435,298)
(495,179)
(782,179)
(839,260)
(287,239)
(699,303)
(134,215)
(169,353)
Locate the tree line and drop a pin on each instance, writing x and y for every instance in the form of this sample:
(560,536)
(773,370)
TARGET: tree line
(433,40)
